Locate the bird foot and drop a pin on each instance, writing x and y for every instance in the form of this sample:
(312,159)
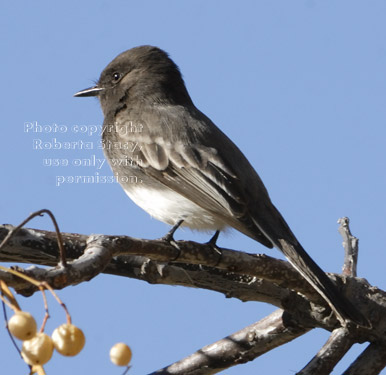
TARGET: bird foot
(212,243)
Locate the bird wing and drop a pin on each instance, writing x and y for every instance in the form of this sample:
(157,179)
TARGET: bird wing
(200,174)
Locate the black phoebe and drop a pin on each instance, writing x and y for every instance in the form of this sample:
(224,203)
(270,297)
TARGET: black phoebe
(177,165)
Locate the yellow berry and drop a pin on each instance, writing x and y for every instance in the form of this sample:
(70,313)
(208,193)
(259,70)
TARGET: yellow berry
(38,350)
(120,354)
(68,339)
(22,325)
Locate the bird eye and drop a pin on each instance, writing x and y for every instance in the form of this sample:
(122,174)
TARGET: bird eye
(116,76)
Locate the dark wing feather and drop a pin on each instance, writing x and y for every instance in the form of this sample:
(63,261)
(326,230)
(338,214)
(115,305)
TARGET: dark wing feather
(199,174)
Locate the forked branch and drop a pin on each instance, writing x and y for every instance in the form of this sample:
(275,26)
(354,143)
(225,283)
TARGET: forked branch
(248,277)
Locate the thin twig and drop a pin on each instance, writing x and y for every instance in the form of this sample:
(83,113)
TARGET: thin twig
(6,302)
(61,303)
(41,285)
(9,298)
(6,324)
(47,314)
(58,234)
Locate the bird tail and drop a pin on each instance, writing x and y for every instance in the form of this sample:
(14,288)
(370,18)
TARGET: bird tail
(303,263)
(282,237)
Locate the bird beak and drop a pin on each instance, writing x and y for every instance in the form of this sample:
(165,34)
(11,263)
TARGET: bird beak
(91,91)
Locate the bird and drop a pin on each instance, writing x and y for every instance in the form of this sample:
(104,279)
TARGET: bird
(178,166)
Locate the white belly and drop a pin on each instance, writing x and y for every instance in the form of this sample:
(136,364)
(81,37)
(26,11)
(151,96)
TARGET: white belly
(170,207)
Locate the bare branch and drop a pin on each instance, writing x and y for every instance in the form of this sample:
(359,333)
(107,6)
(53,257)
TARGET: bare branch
(240,347)
(30,245)
(249,277)
(350,244)
(371,362)
(330,354)
(99,259)
(40,247)
(91,263)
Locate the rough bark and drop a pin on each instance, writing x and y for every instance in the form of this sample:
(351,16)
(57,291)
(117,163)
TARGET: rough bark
(248,277)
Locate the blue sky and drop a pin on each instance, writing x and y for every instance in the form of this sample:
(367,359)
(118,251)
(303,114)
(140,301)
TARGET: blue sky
(299,86)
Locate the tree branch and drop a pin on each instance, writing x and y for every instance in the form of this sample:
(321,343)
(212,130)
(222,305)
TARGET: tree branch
(371,362)
(350,245)
(330,354)
(37,246)
(245,345)
(249,277)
